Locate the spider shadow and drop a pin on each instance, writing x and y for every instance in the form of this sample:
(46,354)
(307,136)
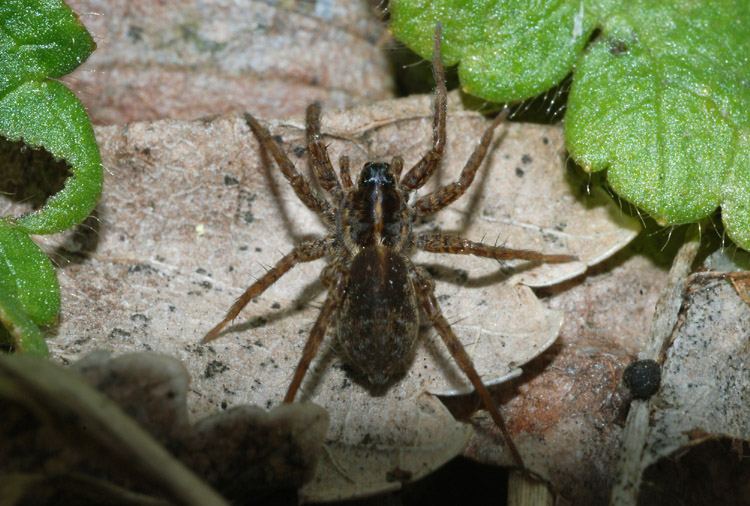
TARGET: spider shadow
(434,345)
(473,197)
(273,183)
(305,297)
(478,187)
(460,277)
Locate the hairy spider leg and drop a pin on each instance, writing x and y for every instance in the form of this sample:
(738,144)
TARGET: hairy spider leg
(421,172)
(299,183)
(426,292)
(346,176)
(439,243)
(397,165)
(318,332)
(304,252)
(319,154)
(447,194)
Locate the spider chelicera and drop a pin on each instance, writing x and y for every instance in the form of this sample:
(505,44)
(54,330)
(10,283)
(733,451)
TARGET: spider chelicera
(374,290)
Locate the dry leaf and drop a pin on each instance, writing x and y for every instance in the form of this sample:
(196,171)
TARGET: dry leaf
(705,381)
(567,410)
(168,59)
(191,214)
(239,451)
(54,424)
(384,443)
(243,452)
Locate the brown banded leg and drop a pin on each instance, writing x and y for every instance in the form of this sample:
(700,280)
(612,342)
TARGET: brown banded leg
(345,175)
(319,154)
(305,252)
(439,243)
(446,195)
(317,333)
(426,292)
(397,165)
(300,185)
(421,172)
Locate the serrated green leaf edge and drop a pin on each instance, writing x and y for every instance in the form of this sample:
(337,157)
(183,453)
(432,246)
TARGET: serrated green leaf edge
(46,114)
(661,101)
(709,135)
(507,51)
(41,39)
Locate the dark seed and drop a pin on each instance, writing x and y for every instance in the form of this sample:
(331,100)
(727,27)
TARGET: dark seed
(642,377)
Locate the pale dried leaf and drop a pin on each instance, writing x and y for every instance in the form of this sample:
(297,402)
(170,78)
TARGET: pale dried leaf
(566,411)
(382,444)
(241,452)
(191,214)
(56,423)
(521,327)
(706,374)
(167,59)
(699,336)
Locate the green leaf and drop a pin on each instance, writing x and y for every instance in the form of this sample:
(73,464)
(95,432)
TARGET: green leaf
(661,98)
(39,40)
(662,101)
(27,275)
(24,333)
(46,114)
(29,293)
(507,50)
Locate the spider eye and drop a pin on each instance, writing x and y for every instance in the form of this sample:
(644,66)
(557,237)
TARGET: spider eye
(378,173)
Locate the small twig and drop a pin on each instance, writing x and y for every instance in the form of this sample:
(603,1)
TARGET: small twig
(629,468)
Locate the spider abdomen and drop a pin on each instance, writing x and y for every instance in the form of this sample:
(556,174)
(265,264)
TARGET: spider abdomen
(378,319)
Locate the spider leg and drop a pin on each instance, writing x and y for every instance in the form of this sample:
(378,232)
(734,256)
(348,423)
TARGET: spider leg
(318,332)
(319,154)
(426,292)
(421,172)
(447,194)
(346,177)
(397,165)
(301,186)
(439,243)
(305,252)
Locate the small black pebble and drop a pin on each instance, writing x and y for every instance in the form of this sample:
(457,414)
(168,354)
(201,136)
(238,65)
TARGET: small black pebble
(642,377)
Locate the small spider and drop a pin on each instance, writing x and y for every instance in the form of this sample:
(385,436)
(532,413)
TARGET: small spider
(374,290)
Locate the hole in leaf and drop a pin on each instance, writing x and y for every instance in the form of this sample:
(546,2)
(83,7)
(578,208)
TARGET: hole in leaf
(28,176)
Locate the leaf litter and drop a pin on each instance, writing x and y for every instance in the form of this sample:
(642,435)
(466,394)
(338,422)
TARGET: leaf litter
(192,213)
(65,440)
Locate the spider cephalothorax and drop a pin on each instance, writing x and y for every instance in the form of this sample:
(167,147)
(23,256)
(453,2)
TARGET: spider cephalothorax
(374,211)
(374,290)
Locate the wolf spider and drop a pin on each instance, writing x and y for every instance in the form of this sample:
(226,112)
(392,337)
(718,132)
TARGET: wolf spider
(374,290)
